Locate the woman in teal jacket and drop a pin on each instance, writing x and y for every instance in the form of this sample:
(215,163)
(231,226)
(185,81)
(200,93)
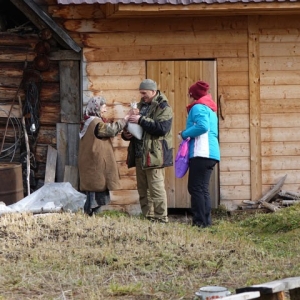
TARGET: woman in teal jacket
(204,150)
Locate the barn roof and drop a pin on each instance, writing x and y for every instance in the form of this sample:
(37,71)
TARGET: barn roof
(175,2)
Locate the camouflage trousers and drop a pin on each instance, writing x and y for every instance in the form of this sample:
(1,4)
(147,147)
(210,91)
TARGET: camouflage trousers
(152,192)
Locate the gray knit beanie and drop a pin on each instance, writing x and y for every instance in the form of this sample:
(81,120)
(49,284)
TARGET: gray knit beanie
(148,84)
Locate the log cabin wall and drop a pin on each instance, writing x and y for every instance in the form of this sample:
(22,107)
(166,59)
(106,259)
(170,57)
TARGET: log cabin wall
(15,50)
(258,66)
(17,55)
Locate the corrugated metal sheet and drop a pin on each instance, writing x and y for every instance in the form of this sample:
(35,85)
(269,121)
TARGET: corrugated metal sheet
(175,2)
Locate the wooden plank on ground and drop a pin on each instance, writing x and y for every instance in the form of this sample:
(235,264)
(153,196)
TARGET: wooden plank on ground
(268,196)
(50,165)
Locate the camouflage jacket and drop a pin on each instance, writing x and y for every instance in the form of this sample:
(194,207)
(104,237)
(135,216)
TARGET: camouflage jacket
(157,135)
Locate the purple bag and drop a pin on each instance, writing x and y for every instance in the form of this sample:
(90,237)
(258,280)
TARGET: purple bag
(182,159)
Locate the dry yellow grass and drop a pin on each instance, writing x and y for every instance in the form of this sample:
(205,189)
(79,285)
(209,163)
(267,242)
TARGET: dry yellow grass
(72,256)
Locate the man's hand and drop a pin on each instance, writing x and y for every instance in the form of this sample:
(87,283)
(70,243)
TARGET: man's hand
(134,119)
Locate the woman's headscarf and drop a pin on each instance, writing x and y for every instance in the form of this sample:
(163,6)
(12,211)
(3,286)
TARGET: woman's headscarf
(91,111)
(93,107)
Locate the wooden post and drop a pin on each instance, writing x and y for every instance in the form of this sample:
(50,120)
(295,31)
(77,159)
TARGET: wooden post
(254,104)
(27,148)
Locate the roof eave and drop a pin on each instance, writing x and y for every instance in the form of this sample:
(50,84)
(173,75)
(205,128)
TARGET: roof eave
(42,20)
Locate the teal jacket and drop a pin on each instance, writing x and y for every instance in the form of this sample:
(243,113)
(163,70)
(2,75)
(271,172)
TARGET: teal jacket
(202,129)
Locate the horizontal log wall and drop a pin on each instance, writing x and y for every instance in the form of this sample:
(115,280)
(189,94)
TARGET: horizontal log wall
(16,54)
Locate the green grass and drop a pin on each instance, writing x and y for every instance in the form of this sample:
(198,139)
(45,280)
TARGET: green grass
(115,256)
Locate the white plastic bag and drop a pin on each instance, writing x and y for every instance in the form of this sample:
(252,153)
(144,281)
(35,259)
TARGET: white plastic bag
(135,129)
(51,196)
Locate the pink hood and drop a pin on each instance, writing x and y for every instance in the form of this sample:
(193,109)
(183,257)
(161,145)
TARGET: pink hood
(205,100)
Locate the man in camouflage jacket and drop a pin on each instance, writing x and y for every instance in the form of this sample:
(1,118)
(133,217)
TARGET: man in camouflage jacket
(153,152)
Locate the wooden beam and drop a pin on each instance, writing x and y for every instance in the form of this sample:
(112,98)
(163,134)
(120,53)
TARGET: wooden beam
(161,52)
(117,39)
(254,106)
(64,55)
(165,25)
(204,9)
(42,20)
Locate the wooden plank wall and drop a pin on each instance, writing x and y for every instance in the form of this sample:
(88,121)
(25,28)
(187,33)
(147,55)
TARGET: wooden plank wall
(280,100)
(115,51)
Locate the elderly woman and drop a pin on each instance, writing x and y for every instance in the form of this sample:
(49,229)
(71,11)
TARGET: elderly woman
(98,171)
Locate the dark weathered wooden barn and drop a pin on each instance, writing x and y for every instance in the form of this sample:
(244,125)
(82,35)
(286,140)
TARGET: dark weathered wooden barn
(39,79)
(248,51)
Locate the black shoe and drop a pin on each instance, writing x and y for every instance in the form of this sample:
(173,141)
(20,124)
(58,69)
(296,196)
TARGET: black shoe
(199,225)
(162,221)
(152,219)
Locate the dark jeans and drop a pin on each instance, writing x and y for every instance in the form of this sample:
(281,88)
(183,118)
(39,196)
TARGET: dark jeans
(200,170)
